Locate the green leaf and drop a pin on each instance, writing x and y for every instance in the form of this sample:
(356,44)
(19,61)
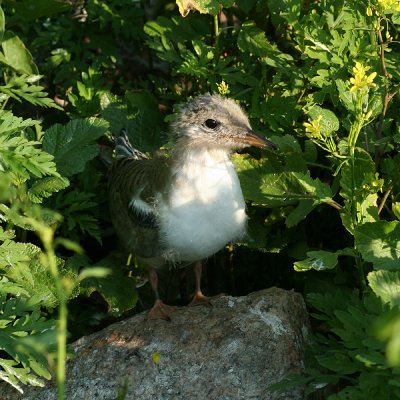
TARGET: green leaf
(30,10)
(16,55)
(345,96)
(396,209)
(80,214)
(6,234)
(299,213)
(2,24)
(359,178)
(379,243)
(321,260)
(74,144)
(27,338)
(263,185)
(145,129)
(359,186)
(23,264)
(19,155)
(252,40)
(375,105)
(329,122)
(118,290)
(287,10)
(386,285)
(45,187)
(25,87)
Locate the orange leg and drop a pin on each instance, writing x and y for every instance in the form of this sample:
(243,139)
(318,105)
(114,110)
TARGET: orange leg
(159,309)
(199,297)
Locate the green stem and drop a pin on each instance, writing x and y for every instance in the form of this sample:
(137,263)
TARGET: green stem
(216,28)
(361,273)
(61,349)
(355,130)
(62,320)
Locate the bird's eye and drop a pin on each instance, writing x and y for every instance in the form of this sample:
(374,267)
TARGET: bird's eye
(211,123)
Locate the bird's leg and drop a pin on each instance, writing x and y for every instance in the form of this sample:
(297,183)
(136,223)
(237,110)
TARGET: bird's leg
(159,309)
(199,297)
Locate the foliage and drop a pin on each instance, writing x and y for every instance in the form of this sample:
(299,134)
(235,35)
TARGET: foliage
(320,79)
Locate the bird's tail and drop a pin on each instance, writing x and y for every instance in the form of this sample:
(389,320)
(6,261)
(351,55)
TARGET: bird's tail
(123,147)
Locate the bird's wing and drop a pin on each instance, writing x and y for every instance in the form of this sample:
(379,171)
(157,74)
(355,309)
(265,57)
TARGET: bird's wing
(134,186)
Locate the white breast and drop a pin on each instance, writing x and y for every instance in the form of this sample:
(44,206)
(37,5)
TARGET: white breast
(206,209)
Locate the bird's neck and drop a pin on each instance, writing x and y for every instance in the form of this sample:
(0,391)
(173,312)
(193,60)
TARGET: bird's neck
(202,153)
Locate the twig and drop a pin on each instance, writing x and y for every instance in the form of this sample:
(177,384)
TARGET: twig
(385,196)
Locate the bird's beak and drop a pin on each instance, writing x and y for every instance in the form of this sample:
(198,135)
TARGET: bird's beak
(253,139)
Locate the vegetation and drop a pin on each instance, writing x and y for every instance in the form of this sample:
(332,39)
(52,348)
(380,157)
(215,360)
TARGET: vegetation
(319,78)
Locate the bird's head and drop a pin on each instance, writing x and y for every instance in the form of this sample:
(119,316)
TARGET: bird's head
(213,120)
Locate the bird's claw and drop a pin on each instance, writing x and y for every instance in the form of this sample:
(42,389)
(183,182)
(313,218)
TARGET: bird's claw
(199,299)
(160,311)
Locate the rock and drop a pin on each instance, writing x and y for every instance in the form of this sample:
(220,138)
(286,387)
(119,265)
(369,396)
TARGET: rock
(233,350)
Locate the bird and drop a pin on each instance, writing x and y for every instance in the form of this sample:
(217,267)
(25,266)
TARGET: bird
(184,206)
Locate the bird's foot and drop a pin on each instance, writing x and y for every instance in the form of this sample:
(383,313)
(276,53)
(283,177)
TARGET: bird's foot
(161,311)
(199,299)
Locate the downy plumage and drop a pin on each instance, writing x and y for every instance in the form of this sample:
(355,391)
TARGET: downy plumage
(184,207)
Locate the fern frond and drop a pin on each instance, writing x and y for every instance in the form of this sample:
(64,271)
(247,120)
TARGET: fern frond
(24,87)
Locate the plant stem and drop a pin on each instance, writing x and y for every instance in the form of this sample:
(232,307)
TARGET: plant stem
(61,349)
(334,204)
(385,197)
(361,273)
(62,316)
(387,97)
(216,28)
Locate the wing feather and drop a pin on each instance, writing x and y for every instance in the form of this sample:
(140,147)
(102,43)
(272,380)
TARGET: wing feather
(134,186)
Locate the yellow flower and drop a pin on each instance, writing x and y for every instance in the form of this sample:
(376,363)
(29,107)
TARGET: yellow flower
(361,79)
(223,88)
(313,128)
(390,4)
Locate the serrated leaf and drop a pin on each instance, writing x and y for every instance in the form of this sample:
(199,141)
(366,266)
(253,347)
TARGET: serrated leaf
(252,40)
(24,87)
(6,234)
(16,55)
(25,159)
(386,285)
(80,214)
(23,264)
(74,144)
(45,187)
(379,243)
(26,337)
